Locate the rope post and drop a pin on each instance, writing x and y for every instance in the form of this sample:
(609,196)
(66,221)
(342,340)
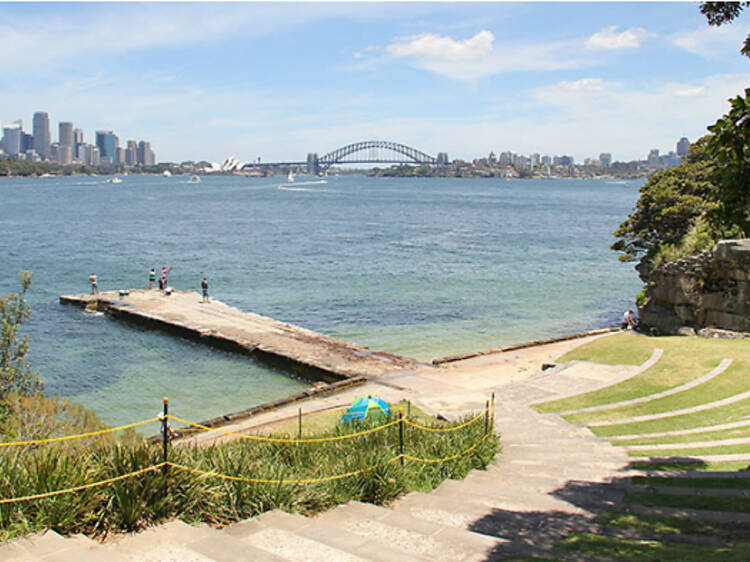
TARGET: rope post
(492,409)
(299,423)
(165,442)
(486,416)
(401,436)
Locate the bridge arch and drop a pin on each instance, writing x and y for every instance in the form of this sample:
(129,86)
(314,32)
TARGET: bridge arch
(375,154)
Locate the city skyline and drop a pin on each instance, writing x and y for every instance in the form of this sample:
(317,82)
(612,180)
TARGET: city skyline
(71,146)
(280,80)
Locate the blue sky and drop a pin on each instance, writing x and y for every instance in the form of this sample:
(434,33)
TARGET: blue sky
(279,80)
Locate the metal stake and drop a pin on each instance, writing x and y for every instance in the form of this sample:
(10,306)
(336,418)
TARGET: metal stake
(401,436)
(165,443)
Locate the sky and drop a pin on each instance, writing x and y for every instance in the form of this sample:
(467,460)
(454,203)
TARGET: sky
(279,80)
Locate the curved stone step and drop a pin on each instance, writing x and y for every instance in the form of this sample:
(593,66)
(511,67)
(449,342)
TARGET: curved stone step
(673,413)
(716,371)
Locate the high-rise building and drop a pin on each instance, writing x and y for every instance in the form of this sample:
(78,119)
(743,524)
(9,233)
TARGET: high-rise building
(27,143)
(12,139)
(653,157)
(682,146)
(42,137)
(606,159)
(65,131)
(119,155)
(146,156)
(131,153)
(77,136)
(106,142)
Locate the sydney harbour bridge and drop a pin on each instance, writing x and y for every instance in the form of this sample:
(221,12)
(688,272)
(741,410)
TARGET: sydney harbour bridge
(363,152)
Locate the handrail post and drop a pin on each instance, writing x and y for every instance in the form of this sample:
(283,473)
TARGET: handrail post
(401,436)
(165,442)
(486,416)
(299,429)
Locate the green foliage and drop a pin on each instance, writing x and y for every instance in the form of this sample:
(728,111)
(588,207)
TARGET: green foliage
(133,503)
(719,13)
(16,375)
(672,203)
(685,210)
(729,145)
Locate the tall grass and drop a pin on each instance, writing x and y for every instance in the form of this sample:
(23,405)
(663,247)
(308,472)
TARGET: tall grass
(136,502)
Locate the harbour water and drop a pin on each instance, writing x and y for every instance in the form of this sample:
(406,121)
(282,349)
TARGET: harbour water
(419,267)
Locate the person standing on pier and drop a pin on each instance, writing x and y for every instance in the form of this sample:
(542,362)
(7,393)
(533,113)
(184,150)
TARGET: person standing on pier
(204,286)
(163,280)
(94,284)
(151,278)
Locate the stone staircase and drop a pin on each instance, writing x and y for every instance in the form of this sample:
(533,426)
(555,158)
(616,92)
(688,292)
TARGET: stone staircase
(522,505)
(550,479)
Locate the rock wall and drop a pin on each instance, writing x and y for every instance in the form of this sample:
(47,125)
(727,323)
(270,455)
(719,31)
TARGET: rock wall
(711,289)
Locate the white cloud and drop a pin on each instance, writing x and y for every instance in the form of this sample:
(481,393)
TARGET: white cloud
(609,39)
(689,92)
(480,56)
(442,48)
(711,42)
(583,85)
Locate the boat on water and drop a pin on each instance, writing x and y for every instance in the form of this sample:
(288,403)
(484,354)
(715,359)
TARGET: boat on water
(194,179)
(290,177)
(167,173)
(114,180)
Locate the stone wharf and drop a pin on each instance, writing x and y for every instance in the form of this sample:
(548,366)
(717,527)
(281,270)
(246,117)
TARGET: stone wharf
(318,357)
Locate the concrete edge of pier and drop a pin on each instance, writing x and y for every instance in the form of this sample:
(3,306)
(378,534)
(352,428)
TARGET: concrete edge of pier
(535,343)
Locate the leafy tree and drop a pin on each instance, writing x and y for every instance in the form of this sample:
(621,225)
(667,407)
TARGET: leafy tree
(672,202)
(719,13)
(730,148)
(16,375)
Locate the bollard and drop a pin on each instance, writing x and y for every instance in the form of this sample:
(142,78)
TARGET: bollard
(401,436)
(165,442)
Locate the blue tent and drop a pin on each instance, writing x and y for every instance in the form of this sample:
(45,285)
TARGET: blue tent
(363,408)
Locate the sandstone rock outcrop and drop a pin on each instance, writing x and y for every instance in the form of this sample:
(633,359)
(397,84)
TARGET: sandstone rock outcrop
(711,289)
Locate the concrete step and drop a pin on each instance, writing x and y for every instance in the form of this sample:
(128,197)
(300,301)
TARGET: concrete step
(166,542)
(226,548)
(51,546)
(296,537)
(416,536)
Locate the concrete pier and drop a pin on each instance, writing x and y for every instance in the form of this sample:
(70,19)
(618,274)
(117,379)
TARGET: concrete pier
(214,323)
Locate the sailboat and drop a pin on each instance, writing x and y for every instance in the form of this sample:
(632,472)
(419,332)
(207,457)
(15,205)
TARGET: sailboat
(290,177)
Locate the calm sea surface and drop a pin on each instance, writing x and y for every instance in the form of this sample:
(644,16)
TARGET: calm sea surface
(420,267)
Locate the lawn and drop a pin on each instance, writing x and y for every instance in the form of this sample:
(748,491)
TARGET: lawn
(737,411)
(731,382)
(709,503)
(684,359)
(728,483)
(740,448)
(629,549)
(715,435)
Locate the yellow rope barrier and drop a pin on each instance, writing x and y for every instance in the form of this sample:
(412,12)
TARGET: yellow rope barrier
(284,439)
(325,478)
(77,436)
(265,480)
(451,458)
(82,487)
(236,478)
(445,429)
